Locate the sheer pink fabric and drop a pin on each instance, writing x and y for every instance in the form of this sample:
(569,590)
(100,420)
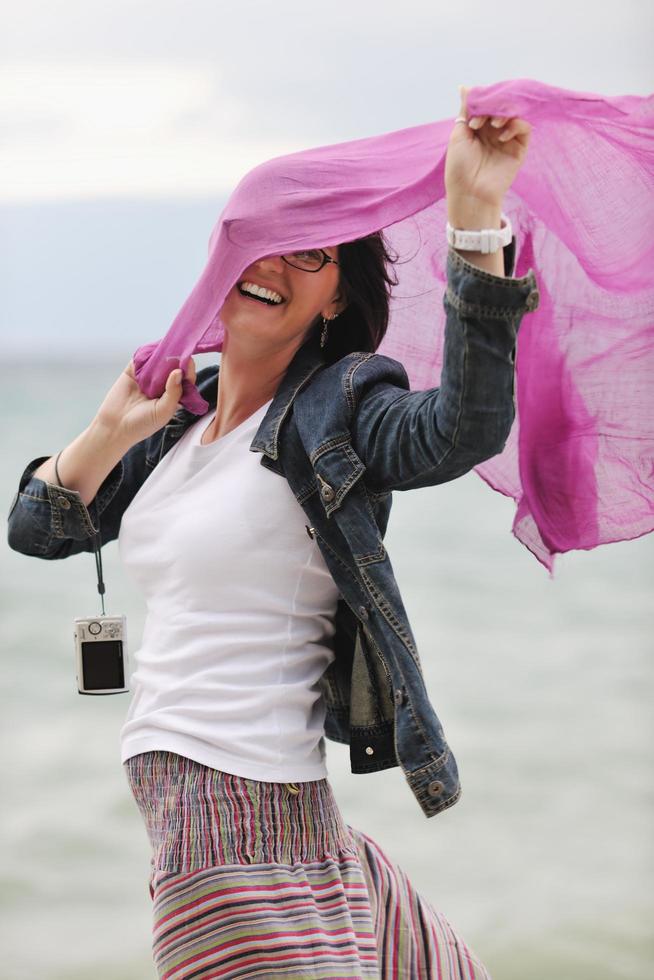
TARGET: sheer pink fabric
(580,458)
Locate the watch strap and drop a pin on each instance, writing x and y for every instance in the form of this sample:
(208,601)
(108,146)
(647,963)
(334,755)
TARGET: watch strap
(485,240)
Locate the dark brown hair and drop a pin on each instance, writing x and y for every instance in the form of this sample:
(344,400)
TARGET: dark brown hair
(366,279)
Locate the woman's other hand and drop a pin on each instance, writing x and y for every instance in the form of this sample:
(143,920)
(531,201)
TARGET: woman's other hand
(481,163)
(130,416)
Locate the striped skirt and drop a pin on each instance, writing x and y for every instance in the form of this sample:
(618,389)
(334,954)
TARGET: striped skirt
(255,879)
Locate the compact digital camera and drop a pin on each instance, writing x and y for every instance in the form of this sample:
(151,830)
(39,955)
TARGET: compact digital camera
(101,654)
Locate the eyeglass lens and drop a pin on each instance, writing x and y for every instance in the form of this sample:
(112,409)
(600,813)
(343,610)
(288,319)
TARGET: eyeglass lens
(310,259)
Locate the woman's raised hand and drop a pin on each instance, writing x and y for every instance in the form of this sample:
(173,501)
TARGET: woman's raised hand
(481,162)
(129,416)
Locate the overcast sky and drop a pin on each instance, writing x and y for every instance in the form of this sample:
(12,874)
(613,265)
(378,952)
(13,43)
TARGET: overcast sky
(160,98)
(124,126)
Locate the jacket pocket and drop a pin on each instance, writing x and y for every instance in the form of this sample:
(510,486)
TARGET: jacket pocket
(337,468)
(344,496)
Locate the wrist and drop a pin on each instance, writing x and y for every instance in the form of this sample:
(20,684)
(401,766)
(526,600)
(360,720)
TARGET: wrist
(472,215)
(105,439)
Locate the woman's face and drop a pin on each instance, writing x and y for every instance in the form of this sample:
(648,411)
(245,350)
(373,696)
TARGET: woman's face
(305,296)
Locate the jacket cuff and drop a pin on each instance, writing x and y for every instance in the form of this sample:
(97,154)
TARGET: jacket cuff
(62,509)
(476,291)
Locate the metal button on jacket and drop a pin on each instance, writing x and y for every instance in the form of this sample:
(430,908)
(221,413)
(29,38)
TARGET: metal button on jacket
(399,696)
(363,612)
(327,492)
(435,788)
(63,502)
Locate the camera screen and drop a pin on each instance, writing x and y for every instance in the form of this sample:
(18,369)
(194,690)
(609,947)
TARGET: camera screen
(102,663)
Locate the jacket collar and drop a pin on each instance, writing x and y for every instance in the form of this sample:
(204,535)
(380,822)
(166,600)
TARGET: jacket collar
(307,360)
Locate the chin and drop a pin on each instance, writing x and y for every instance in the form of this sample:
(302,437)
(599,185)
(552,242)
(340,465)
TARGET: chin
(248,332)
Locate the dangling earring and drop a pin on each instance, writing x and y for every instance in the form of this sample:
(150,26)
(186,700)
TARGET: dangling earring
(325,322)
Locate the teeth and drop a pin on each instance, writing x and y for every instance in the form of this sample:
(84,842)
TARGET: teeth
(251,287)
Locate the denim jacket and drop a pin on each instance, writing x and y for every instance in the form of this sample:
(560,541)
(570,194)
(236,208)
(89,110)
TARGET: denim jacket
(345,436)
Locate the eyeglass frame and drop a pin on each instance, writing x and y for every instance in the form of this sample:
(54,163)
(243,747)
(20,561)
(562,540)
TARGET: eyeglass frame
(325,259)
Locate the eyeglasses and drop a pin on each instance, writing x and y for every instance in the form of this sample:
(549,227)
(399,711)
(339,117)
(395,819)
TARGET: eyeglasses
(310,260)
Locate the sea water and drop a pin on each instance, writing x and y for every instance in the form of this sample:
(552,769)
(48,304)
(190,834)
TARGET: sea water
(544,688)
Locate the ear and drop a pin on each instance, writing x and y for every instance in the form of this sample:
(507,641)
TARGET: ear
(334,310)
(338,304)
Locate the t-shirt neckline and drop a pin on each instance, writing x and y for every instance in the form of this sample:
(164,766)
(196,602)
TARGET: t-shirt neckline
(203,425)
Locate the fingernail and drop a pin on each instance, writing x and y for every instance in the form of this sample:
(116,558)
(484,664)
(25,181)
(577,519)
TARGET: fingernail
(474,122)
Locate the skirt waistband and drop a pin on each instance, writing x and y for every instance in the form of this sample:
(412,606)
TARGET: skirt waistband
(198,817)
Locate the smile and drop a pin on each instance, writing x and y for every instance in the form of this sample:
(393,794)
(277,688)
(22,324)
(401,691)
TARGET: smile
(250,290)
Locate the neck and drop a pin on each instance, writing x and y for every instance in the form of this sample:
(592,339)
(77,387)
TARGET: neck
(247,381)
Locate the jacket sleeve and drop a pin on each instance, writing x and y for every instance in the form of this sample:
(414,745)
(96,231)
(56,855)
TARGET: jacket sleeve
(48,521)
(415,439)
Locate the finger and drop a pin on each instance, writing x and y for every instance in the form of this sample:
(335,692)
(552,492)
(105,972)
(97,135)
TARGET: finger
(170,397)
(515,127)
(190,371)
(129,370)
(476,122)
(463,98)
(498,121)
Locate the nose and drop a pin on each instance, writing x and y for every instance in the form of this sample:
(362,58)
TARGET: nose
(271,262)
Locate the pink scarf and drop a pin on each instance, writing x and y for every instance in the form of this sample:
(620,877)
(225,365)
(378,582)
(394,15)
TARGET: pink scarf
(579,461)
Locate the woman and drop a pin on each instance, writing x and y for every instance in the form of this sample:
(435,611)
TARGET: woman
(268,585)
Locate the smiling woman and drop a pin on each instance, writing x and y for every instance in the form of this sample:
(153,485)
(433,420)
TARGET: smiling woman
(274,618)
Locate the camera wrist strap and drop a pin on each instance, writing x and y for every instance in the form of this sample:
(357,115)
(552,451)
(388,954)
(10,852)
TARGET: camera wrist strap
(97,540)
(97,544)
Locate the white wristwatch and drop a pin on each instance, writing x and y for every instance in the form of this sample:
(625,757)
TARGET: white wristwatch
(484,240)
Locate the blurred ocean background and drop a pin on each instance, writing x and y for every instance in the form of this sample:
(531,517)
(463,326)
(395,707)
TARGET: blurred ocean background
(544,686)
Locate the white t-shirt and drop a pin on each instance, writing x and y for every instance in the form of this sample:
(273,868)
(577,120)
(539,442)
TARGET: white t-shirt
(240,609)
